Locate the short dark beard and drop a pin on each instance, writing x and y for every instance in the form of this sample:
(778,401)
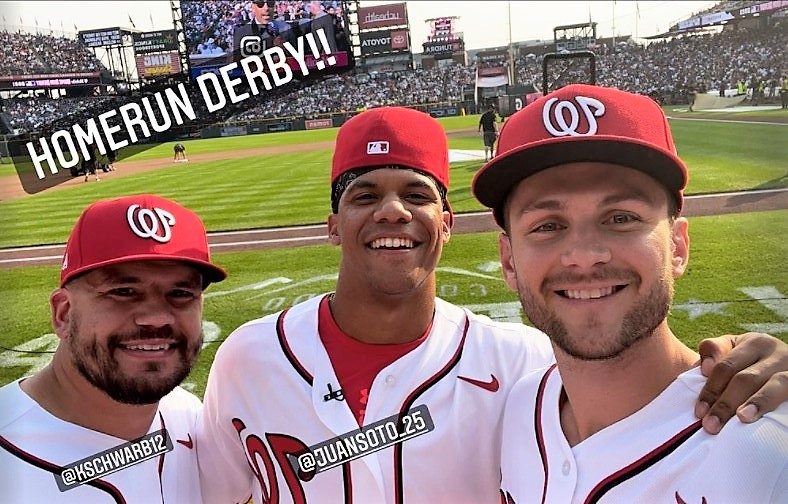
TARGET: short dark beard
(638,324)
(105,375)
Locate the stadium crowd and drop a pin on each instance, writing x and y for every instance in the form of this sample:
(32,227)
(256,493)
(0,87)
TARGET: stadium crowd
(27,54)
(668,70)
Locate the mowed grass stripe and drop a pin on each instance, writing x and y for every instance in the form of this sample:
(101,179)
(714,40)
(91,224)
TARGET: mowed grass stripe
(718,271)
(288,189)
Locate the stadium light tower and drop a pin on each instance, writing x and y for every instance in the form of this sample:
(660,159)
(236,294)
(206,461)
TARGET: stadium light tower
(511,48)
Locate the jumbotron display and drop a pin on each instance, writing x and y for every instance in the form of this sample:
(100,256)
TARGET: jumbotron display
(222,32)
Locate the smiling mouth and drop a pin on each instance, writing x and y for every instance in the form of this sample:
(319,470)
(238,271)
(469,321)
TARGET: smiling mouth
(392,243)
(149,348)
(590,293)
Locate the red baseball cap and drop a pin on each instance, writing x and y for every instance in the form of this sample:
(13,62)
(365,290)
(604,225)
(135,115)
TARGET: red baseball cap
(579,123)
(137,228)
(393,137)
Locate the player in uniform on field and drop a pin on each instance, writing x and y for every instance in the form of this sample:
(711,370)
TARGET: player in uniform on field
(593,241)
(377,392)
(179,152)
(129,317)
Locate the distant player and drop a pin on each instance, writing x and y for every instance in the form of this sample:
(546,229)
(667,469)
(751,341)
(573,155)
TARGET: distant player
(180,152)
(399,394)
(128,314)
(593,243)
(489,130)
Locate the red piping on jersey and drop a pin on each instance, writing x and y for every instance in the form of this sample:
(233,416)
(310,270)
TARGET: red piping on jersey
(539,430)
(161,460)
(642,463)
(280,332)
(347,480)
(306,375)
(99,484)
(398,486)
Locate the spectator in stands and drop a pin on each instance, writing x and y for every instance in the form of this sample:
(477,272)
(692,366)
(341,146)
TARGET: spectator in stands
(321,20)
(256,35)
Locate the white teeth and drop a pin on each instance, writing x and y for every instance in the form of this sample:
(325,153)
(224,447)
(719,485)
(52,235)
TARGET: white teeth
(589,294)
(148,347)
(392,243)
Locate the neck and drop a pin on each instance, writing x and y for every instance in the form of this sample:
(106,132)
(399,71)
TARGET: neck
(383,319)
(601,393)
(62,391)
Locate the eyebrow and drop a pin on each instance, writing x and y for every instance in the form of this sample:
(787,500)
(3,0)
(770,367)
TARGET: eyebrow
(112,279)
(366,184)
(632,194)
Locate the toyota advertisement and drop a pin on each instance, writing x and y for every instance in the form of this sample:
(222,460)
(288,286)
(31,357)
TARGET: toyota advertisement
(384,42)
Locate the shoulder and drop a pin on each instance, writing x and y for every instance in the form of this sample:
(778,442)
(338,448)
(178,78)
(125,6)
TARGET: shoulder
(511,340)
(262,333)
(14,403)
(180,399)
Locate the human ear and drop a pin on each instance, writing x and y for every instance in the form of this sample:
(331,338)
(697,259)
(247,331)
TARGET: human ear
(507,261)
(333,229)
(681,244)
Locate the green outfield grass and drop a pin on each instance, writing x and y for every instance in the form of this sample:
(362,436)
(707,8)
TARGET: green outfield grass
(285,189)
(711,299)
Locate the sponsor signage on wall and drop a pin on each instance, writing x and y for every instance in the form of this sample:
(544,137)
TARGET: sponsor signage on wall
(156,41)
(443,50)
(384,41)
(382,16)
(157,65)
(311,124)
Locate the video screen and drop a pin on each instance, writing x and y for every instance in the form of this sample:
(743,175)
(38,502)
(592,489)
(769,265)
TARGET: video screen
(219,32)
(561,69)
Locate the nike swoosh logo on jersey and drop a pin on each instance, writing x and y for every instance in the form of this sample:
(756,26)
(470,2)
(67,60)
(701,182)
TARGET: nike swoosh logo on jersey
(187,443)
(491,386)
(679,500)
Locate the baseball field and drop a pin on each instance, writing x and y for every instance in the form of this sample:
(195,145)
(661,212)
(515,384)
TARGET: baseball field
(737,279)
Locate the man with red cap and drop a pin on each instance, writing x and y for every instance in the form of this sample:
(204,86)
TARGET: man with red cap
(588,189)
(379,391)
(105,421)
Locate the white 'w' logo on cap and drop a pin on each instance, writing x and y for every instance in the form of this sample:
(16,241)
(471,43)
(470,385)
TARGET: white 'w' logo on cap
(564,129)
(150,223)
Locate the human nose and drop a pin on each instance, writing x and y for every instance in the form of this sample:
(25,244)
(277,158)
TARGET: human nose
(391,209)
(585,249)
(154,311)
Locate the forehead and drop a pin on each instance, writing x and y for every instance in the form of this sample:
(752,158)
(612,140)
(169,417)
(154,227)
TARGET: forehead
(146,271)
(403,177)
(586,178)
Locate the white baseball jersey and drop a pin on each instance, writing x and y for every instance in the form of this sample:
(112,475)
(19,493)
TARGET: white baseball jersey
(658,454)
(268,397)
(36,446)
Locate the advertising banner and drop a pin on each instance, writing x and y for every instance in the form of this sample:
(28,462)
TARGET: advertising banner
(384,41)
(157,65)
(156,41)
(382,16)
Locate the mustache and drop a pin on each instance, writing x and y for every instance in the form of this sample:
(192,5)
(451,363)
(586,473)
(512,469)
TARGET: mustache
(147,333)
(602,274)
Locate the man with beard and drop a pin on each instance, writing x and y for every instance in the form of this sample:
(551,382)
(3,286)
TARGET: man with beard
(105,421)
(588,188)
(398,393)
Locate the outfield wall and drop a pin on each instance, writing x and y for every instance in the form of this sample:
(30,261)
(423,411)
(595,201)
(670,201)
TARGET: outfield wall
(301,123)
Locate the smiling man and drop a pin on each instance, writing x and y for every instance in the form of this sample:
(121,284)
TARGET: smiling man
(589,190)
(105,420)
(380,391)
